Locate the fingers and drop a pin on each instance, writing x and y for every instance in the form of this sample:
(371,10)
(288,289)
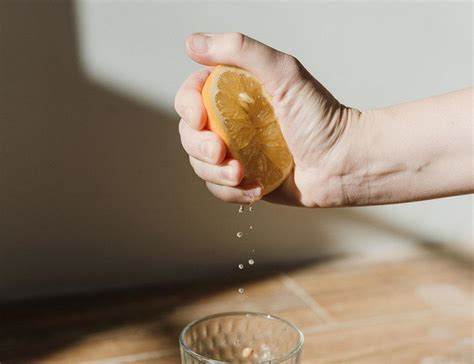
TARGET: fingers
(229,173)
(237,49)
(224,178)
(243,195)
(206,155)
(188,100)
(203,145)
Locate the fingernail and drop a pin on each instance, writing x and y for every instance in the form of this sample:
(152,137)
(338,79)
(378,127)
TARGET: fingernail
(208,149)
(253,193)
(228,173)
(200,43)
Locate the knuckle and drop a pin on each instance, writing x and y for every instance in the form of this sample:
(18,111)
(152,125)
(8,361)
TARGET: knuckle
(233,180)
(183,137)
(194,165)
(230,174)
(218,149)
(225,174)
(213,137)
(237,41)
(181,127)
(178,105)
(291,64)
(214,157)
(239,176)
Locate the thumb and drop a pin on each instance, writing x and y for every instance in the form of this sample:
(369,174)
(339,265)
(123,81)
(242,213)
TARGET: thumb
(267,64)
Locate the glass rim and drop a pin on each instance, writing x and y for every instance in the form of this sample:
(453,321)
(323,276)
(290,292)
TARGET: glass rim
(195,355)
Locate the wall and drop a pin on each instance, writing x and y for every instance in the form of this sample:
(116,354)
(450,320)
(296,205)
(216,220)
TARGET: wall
(95,190)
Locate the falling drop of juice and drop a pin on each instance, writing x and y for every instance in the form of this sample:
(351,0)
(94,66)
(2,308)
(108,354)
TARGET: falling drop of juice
(251,261)
(239,234)
(241,290)
(241,209)
(241,266)
(247,352)
(250,208)
(251,227)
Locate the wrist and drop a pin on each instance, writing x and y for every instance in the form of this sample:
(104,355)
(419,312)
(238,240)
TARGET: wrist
(407,152)
(385,162)
(379,163)
(353,170)
(335,181)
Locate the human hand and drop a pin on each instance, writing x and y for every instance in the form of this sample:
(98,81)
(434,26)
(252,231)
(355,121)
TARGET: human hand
(319,130)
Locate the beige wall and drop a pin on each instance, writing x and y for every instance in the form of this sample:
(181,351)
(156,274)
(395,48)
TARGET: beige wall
(95,190)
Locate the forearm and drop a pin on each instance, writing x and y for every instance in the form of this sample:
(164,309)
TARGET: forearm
(413,151)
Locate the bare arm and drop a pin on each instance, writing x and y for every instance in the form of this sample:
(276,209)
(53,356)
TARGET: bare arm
(343,157)
(413,151)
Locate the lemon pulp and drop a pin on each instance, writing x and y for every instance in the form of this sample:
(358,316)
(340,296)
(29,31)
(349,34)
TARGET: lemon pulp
(240,111)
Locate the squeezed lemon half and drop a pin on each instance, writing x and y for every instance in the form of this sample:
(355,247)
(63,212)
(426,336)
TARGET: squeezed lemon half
(240,111)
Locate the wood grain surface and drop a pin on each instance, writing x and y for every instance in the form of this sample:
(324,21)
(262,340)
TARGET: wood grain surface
(412,306)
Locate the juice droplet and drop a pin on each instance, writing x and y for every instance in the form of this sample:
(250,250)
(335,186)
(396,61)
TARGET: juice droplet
(250,208)
(251,227)
(247,352)
(241,290)
(241,266)
(241,209)
(239,234)
(253,250)
(251,262)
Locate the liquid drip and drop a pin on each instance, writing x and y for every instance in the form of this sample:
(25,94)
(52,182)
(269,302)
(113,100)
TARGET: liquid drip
(247,352)
(241,266)
(251,262)
(241,290)
(239,234)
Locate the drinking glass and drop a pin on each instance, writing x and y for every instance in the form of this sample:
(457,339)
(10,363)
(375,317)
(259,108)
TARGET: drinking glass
(241,337)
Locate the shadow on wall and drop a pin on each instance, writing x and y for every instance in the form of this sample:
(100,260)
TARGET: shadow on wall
(96,193)
(86,174)
(95,190)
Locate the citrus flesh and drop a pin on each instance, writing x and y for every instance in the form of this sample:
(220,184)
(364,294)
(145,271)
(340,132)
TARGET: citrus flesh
(240,111)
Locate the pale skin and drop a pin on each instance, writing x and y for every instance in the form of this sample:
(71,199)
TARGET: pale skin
(343,157)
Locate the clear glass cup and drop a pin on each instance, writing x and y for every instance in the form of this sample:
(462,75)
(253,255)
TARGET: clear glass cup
(241,337)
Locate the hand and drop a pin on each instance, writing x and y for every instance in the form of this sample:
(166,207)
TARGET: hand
(319,130)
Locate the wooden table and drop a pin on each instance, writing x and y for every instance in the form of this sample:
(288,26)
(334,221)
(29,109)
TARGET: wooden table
(404,305)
